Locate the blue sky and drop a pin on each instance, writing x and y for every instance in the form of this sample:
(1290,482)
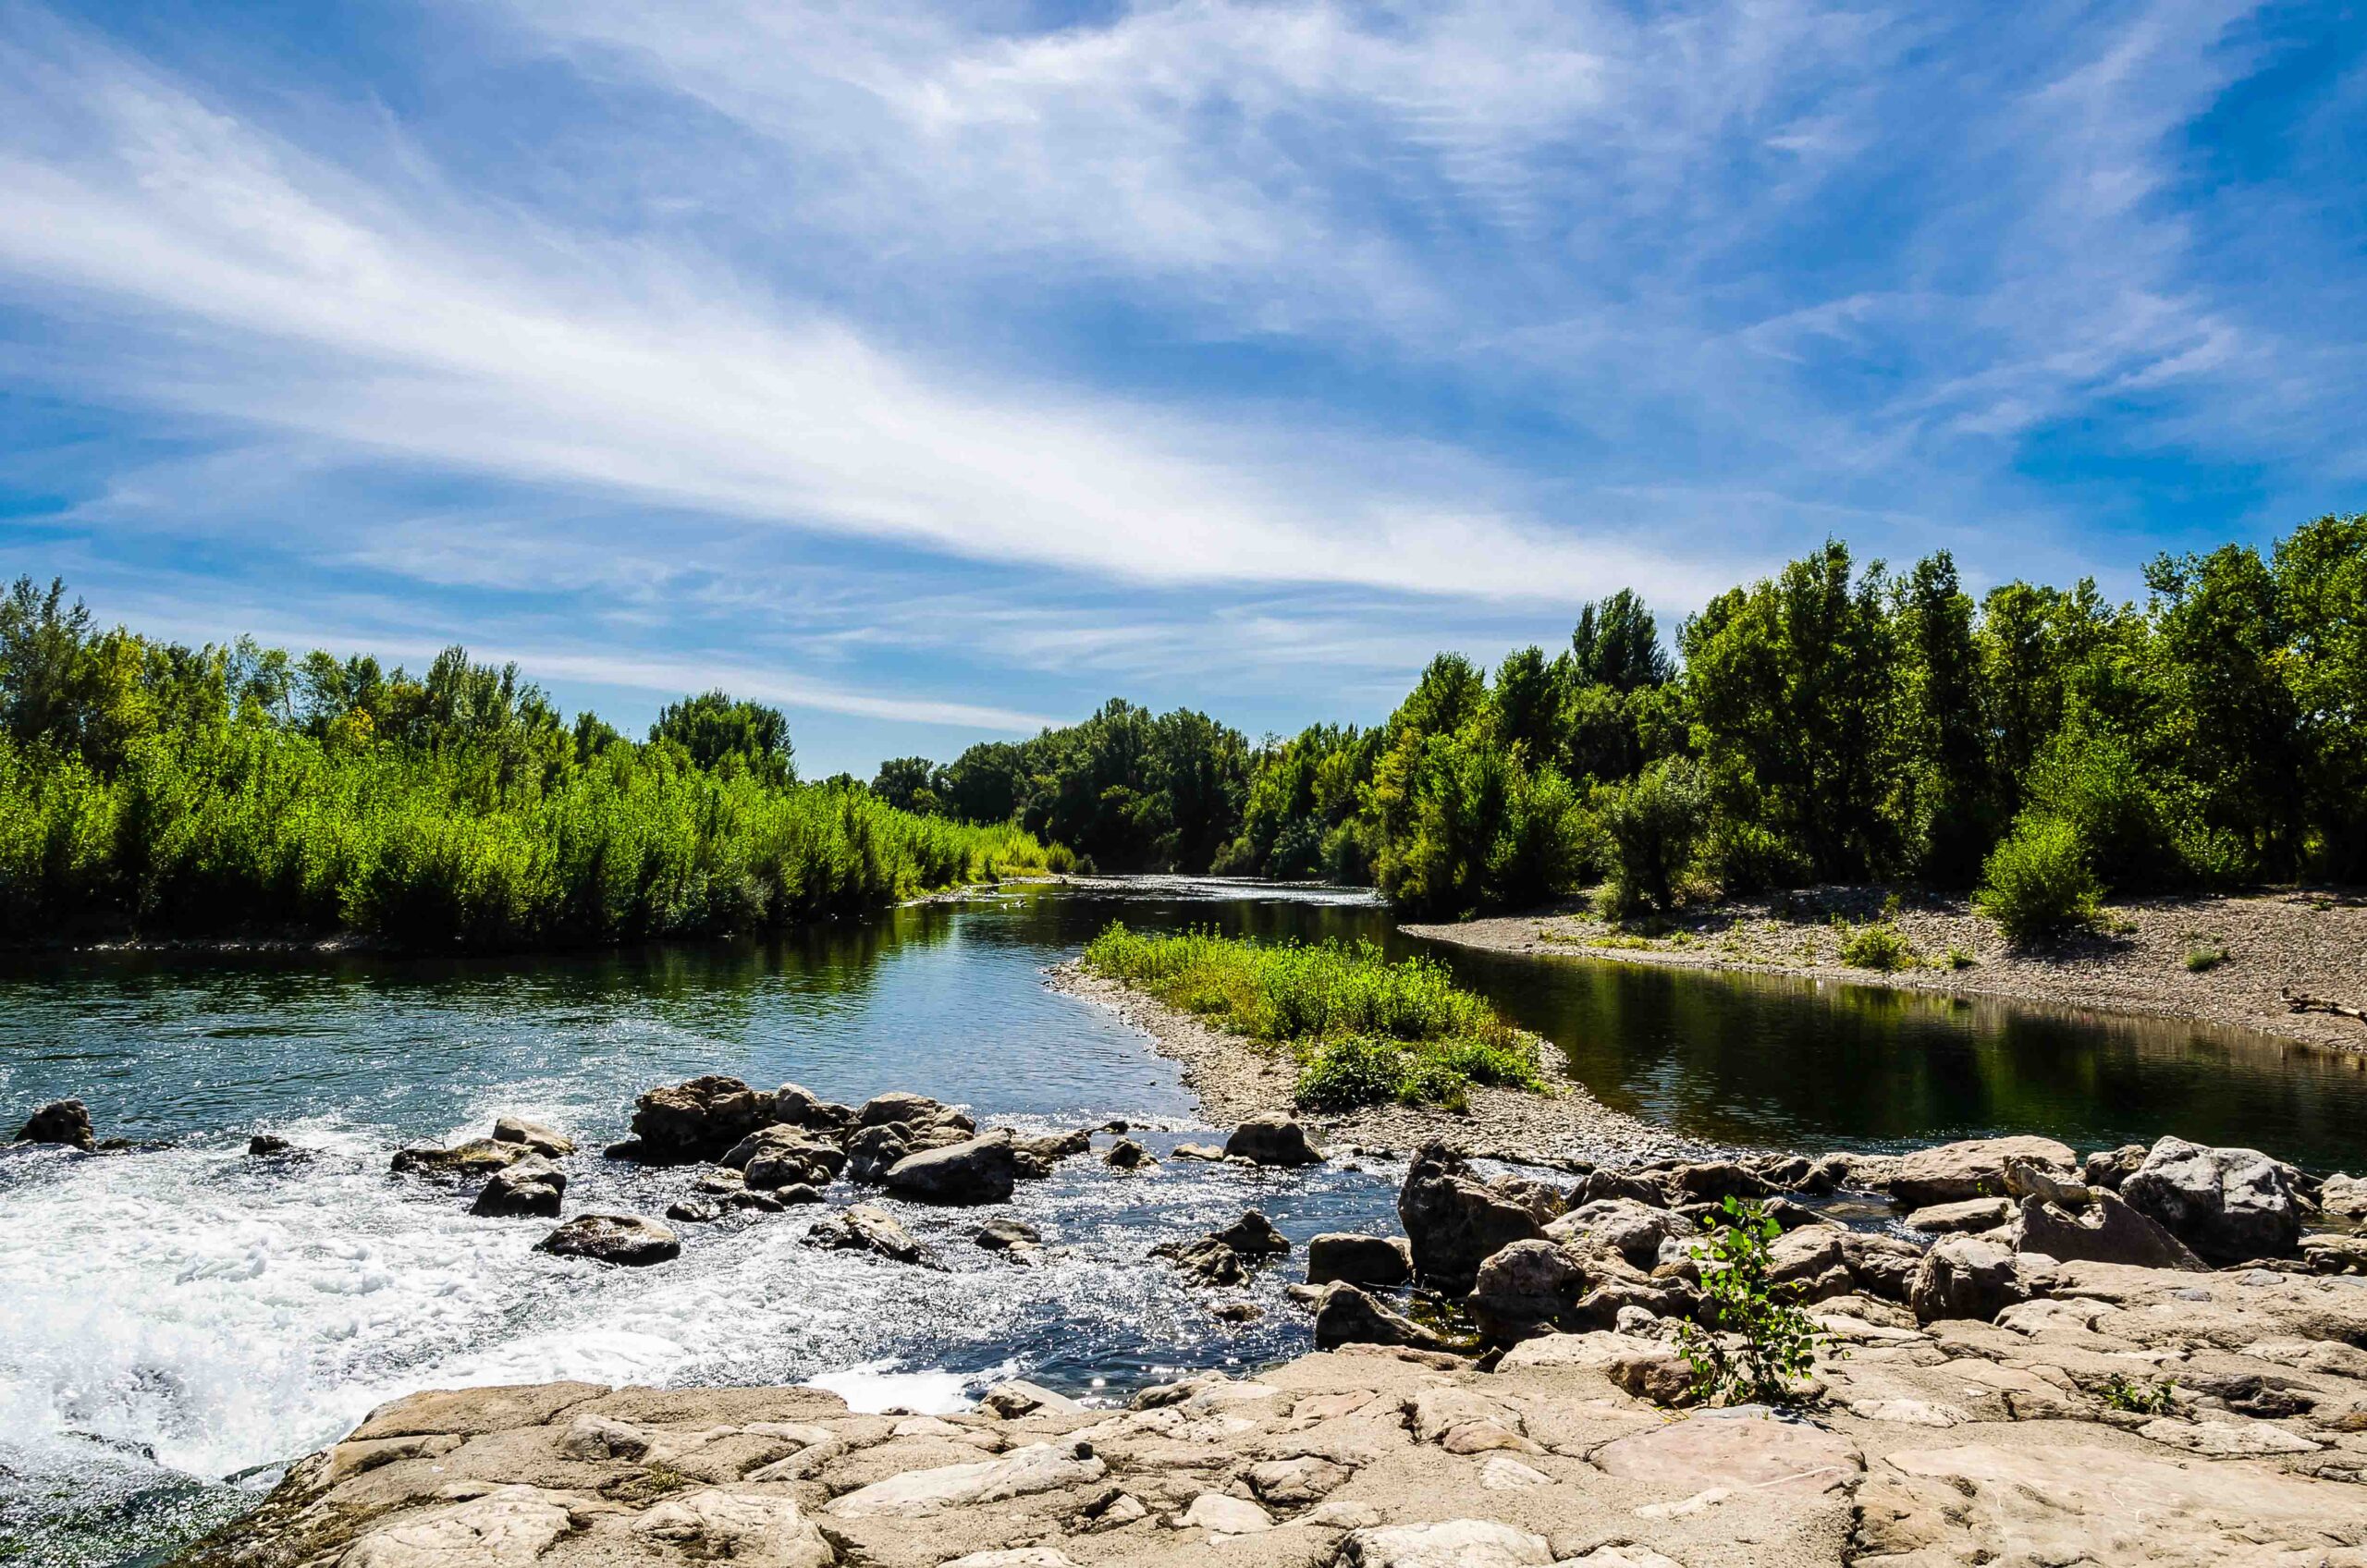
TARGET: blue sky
(935,371)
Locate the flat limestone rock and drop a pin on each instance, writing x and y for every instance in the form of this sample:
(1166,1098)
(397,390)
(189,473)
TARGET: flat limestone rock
(755,1530)
(508,1528)
(1039,1468)
(1455,1543)
(1737,1447)
(1938,1507)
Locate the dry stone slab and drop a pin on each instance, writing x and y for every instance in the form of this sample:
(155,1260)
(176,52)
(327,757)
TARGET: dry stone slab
(1039,1468)
(1738,1447)
(508,1528)
(755,1530)
(1455,1543)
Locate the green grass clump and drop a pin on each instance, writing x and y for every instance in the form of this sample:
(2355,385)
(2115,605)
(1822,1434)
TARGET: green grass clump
(1878,946)
(1364,1031)
(2202,959)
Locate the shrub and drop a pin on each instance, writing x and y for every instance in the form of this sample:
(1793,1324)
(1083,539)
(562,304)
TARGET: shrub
(2201,961)
(1878,946)
(1749,857)
(2036,883)
(2139,1396)
(1777,1341)
(1959,957)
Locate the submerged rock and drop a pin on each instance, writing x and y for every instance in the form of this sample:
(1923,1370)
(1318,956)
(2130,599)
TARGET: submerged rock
(60,1121)
(625,1238)
(1252,1235)
(1128,1155)
(867,1228)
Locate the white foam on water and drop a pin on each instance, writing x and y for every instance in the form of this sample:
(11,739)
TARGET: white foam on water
(879,1386)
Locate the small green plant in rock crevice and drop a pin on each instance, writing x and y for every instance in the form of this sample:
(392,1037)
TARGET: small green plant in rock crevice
(2138,1396)
(1759,1342)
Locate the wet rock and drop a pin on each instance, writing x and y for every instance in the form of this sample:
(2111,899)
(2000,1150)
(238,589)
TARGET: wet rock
(979,1170)
(1036,1157)
(1128,1155)
(1236,1312)
(1964,1277)
(1970,1218)
(1344,1315)
(1522,1290)
(270,1146)
(2229,1205)
(478,1157)
(60,1121)
(2108,1231)
(867,1227)
(1207,1260)
(1360,1260)
(760,1203)
(543,1140)
(699,1119)
(794,1105)
(1953,1172)
(625,1238)
(873,1150)
(1199,1151)
(1003,1235)
(795,1193)
(1455,1223)
(694,1211)
(532,1186)
(1272,1139)
(1252,1235)
(780,1157)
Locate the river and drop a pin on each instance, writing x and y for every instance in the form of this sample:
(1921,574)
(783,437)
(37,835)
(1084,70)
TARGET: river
(180,1316)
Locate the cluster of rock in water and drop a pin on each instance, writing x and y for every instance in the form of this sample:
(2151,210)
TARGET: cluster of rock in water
(2147,1355)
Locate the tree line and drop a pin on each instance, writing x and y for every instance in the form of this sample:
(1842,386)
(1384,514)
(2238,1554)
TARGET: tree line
(150,787)
(1831,723)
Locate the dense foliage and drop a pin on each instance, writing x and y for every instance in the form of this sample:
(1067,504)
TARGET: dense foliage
(1831,723)
(1363,1029)
(151,787)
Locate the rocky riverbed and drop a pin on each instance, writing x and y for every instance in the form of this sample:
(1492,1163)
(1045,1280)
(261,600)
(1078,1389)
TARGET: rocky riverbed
(1975,1400)
(2240,960)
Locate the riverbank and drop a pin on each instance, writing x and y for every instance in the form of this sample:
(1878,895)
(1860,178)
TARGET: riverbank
(2224,960)
(1236,1079)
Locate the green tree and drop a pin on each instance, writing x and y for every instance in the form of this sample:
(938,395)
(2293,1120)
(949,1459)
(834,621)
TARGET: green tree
(713,729)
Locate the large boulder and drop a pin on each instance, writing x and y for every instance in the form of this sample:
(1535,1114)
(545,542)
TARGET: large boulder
(1714,1181)
(1647,1188)
(1360,1260)
(867,1227)
(700,1118)
(872,1150)
(1272,1139)
(1975,1168)
(612,1238)
(1453,1223)
(980,1169)
(1040,1155)
(1965,1277)
(1344,1316)
(2108,1230)
(1522,1290)
(898,1109)
(1252,1235)
(533,1186)
(1636,1231)
(794,1105)
(60,1121)
(2229,1205)
(1882,1265)
(781,1157)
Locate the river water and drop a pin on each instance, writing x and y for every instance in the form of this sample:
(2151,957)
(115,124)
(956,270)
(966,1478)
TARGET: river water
(173,1317)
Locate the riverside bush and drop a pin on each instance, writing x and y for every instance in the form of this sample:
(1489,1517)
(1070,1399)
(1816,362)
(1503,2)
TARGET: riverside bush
(1879,946)
(1759,1338)
(1363,1029)
(2036,883)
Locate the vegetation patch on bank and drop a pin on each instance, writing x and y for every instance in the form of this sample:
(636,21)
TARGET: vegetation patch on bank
(1363,1029)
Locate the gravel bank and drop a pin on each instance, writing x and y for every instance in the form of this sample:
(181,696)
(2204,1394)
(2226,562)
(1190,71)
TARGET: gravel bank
(2312,942)
(1236,1079)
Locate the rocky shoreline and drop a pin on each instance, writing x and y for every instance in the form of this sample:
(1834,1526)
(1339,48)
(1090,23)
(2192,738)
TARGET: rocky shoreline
(1974,1400)
(2230,960)
(1236,1080)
